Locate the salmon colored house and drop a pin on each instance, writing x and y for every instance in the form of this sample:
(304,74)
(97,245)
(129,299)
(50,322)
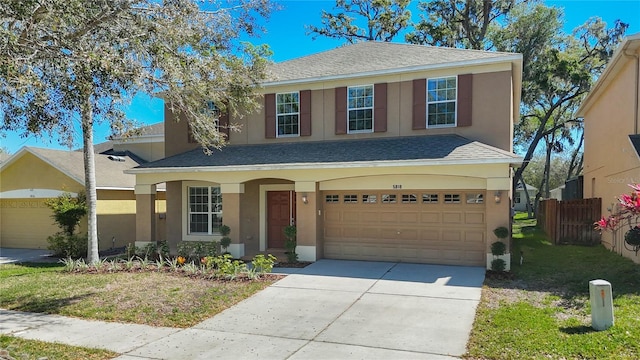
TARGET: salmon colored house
(374,151)
(612,135)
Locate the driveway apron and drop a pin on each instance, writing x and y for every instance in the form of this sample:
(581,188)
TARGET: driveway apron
(340,309)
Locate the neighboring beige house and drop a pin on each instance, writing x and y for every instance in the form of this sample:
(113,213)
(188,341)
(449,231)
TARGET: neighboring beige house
(611,134)
(520,197)
(375,151)
(33,175)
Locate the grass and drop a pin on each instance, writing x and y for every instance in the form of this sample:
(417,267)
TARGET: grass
(544,312)
(32,349)
(151,298)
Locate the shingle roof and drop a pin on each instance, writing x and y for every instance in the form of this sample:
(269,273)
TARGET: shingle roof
(372,56)
(109,173)
(450,148)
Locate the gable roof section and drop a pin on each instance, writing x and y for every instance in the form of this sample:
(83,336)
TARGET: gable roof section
(616,63)
(374,58)
(398,151)
(109,174)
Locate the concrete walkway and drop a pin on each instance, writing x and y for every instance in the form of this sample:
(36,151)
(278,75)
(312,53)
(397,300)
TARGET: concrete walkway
(328,310)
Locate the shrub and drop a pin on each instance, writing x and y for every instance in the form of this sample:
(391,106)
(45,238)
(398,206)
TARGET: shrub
(226,240)
(501,232)
(262,264)
(498,265)
(196,250)
(498,248)
(290,244)
(64,245)
(67,211)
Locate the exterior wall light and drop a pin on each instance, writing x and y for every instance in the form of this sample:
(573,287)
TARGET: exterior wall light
(497,196)
(305,199)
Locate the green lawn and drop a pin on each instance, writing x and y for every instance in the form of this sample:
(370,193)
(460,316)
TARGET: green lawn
(20,349)
(151,298)
(544,311)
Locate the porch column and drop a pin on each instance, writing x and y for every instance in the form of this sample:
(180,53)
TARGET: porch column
(145,214)
(231,216)
(307,220)
(498,213)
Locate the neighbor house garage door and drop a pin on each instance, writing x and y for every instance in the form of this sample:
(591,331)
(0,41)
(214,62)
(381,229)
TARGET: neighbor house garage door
(409,226)
(25,223)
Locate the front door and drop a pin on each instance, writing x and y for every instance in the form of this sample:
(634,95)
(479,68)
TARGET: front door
(281,210)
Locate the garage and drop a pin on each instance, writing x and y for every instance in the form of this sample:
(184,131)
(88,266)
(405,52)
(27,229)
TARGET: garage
(419,226)
(15,213)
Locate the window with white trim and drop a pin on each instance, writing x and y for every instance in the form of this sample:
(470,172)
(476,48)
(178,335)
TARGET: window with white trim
(360,109)
(441,101)
(288,114)
(452,198)
(205,209)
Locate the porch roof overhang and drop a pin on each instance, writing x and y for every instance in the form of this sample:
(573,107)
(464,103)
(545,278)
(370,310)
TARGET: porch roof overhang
(431,150)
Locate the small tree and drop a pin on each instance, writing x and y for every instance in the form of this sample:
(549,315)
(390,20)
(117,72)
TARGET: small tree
(67,211)
(225,241)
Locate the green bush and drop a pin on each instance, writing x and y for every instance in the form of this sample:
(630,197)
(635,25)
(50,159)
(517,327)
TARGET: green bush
(498,265)
(498,248)
(196,250)
(263,264)
(68,246)
(501,232)
(67,211)
(290,243)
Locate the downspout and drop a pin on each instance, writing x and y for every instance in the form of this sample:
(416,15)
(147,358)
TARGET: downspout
(637,90)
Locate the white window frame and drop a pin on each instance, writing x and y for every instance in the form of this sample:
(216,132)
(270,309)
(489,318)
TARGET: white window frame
(278,115)
(210,235)
(372,107)
(455,101)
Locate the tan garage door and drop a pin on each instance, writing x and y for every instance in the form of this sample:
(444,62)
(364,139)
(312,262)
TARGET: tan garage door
(409,226)
(25,223)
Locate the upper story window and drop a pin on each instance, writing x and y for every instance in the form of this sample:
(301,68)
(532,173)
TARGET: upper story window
(441,102)
(288,114)
(360,109)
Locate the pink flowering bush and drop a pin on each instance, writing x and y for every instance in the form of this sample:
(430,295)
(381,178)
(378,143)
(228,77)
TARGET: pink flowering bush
(628,213)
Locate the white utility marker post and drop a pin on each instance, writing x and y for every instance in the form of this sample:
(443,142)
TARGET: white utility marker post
(601,304)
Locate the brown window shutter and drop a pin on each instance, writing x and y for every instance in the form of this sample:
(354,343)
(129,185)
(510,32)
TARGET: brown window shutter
(270,116)
(341,110)
(223,124)
(380,107)
(305,113)
(465,91)
(419,104)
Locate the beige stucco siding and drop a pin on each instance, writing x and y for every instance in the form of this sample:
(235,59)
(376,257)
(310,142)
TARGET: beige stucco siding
(146,150)
(492,110)
(610,161)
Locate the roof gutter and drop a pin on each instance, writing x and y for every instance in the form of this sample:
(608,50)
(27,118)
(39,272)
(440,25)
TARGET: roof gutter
(516,160)
(637,90)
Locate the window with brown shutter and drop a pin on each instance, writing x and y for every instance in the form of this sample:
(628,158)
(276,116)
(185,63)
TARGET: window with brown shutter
(465,84)
(305,113)
(419,104)
(270,116)
(341,110)
(380,107)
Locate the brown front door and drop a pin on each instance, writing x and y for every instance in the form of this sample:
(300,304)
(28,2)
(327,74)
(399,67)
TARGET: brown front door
(281,210)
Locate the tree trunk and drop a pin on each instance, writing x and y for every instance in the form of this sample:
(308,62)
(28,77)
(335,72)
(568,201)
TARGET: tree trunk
(90,180)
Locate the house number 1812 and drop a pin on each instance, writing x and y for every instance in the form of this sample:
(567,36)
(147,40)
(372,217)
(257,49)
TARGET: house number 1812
(397,186)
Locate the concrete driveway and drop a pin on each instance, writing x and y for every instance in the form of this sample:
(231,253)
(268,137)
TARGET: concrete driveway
(337,310)
(9,256)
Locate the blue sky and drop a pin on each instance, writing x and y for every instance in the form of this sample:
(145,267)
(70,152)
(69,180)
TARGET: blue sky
(286,35)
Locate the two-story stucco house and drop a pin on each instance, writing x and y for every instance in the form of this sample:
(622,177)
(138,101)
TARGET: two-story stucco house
(612,135)
(375,151)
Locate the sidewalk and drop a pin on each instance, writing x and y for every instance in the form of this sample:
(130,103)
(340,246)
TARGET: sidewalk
(120,338)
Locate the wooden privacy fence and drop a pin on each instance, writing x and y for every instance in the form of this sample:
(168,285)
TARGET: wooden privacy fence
(570,222)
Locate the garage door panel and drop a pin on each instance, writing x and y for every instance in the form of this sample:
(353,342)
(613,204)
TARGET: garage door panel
(430,232)
(430,217)
(452,218)
(474,218)
(409,217)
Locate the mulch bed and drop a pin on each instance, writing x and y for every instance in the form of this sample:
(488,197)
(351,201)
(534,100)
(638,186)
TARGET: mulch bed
(299,264)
